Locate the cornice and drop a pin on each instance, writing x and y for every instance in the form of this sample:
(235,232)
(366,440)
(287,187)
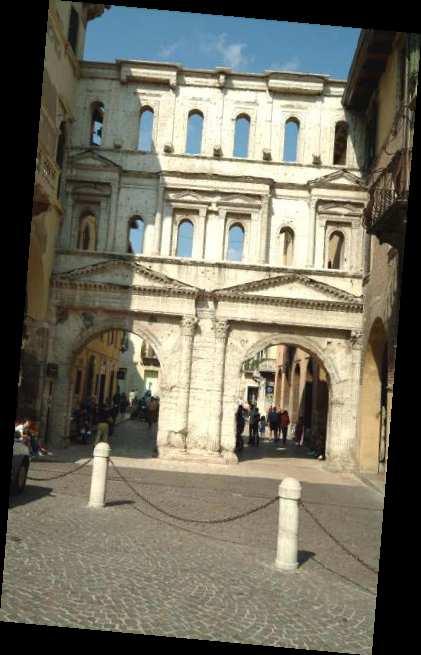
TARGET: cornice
(327,305)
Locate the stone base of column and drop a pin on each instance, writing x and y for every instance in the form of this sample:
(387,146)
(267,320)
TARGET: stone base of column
(340,462)
(196,456)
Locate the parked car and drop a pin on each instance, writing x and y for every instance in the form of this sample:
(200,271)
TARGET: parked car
(20,465)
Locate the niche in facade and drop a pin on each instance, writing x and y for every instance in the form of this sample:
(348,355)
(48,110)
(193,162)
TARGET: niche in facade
(286,237)
(241,136)
(194,133)
(292,128)
(97,121)
(185,239)
(145,142)
(87,233)
(136,235)
(341,139)
(335,255)
(235,243)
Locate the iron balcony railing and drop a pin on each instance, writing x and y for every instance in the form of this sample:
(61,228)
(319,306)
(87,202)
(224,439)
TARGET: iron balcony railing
(390,189)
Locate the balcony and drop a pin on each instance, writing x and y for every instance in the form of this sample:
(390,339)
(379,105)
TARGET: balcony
(267,366)
(385,214)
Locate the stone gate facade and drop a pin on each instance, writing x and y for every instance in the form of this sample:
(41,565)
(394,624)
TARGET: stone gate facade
(205,314)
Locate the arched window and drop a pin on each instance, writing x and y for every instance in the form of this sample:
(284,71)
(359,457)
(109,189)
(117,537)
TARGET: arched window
(136,235)
(286,237)
(87,233)
(292,128)
(97,121)
(336,250)
(145,142)
(241,136)
(194,133)
(235,243)
(185,239)
(341,139)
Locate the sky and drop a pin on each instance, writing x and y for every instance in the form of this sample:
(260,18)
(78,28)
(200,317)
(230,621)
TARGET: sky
(207,41)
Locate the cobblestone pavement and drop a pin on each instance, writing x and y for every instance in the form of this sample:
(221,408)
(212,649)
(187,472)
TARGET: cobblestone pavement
(128,568)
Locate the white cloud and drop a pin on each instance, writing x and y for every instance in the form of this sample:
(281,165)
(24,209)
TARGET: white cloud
(288,65)
(167,51)
(232,53)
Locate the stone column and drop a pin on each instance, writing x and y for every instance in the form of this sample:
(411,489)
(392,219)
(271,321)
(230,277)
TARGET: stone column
(264,230)
(65,238)
(221,330)
(188,325)
(311,234)
(302,387)
(200,241)
(314,397)
(59,419)
(158,218)
(221,230)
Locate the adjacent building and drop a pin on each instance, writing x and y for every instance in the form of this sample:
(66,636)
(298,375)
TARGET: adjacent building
(382,88)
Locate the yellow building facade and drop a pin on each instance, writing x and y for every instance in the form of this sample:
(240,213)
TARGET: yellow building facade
(382,89)
(64,46)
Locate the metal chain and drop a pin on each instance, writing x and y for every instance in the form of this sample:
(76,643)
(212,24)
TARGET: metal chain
(61,475)
(180,518)
(316,520)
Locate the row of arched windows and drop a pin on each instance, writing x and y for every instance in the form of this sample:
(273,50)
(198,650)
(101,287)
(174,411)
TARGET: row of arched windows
(235,241)
(241,134)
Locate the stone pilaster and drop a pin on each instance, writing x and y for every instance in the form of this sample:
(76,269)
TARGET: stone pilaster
(311,234)
(158,219)
(188,326)
(264,230)
(221,330)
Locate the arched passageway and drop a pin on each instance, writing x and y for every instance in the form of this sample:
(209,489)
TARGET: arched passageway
(301,388)
(373,401)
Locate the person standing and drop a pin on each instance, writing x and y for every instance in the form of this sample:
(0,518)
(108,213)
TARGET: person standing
(273,423)
(103,426)
(239,428)
(255,427)
(262,426)
(299,431)
(284,423)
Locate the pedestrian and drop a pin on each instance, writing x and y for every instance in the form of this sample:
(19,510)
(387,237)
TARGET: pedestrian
(273,421)
(262,426)
(85,427)
(284,423)
(103,426)
(239,428)
(299,431)
(33,432)
(254,419)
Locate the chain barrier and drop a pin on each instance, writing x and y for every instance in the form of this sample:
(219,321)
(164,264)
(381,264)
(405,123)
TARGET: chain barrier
(316,520)
(180,518)
(61,475)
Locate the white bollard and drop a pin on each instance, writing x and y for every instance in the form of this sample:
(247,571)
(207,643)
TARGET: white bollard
(99,475)
(287,548)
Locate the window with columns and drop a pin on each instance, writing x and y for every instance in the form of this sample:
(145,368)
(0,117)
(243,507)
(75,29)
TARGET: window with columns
(336,247)
(286,239)
(341,141)
(136,235)
(235,248)
(292,129)
(194,132)
(185,239)
(97,123)
(145,142)
(241,136)
(87,233)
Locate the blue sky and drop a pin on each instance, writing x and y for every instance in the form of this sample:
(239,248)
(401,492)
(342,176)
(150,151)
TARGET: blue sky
(206,41)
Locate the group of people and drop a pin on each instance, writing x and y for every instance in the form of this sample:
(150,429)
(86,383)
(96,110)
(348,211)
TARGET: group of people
(277,421)
(99,418)
(27,431)
(146,407)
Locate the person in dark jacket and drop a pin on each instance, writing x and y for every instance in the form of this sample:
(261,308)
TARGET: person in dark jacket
(239,428)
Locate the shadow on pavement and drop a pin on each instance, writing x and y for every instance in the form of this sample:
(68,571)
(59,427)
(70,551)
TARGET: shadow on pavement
(30,494)
(115,503)
(303,556)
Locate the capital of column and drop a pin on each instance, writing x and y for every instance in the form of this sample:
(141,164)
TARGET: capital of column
(356,338)
(188,325)
(221,329)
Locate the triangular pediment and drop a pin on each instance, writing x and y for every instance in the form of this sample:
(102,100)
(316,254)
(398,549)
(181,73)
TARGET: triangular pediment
(341,178)
(118,272)
(290,285)
(92,159)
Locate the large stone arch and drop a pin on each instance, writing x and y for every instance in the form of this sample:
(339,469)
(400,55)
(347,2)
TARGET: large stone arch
(81,328)
(338,363)
(370,397)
